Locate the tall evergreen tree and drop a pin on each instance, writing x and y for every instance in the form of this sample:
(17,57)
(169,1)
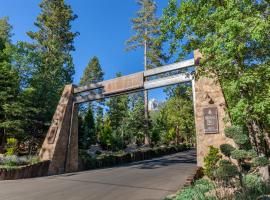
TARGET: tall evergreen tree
(89,136)
(118,109)
(92,73)
(52,44)
(135,122)
(9,85)
(146,28)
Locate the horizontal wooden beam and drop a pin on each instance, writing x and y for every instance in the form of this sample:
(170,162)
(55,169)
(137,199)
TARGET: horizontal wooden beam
(150,72)
(170,80)
(168,68)
(87,98)
(161,82)
(87,87)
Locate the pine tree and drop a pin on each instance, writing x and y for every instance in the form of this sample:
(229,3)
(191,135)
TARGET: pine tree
(52,44)
(89,136)
(135,121)
(146,27)
(118,109)
(9,86)
(92,73)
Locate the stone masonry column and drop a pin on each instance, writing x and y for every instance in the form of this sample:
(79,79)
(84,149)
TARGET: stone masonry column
(62,138)
(210,106)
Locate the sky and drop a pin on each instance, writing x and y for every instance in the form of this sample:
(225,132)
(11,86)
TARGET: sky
(104,26)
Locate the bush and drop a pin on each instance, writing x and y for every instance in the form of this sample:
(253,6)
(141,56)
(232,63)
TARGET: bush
(11,146)
(226,149)
(253,182)
(230,132)
(210,161)
(239,154)
(244,177)
(260,161)
(198,191)
(226,171)
(18,161)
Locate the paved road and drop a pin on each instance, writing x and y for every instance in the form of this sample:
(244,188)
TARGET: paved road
(146,180)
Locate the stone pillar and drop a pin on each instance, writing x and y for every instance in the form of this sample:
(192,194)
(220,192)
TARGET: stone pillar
(59,142)
(72,154)
(209,103)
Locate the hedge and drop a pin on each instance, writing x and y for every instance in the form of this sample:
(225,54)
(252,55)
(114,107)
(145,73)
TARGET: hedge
(87,162)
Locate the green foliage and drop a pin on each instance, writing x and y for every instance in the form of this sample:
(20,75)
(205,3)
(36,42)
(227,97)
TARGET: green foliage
(233,37)
(248,162)
(13,160)
(106,135)
(237,134)
(181,121)
(253,182)
(92,73)
(260,161)
(87,133)
(226,149)
(226,171)
(211,161)
(240,139)
(10,109)
(231,131)
(175,126)
(45,64)
(239,154)
(11,146)
(198,191)
(146,28)
(89,127)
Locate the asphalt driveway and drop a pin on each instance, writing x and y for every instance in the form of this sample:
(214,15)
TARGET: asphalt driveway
(145,180)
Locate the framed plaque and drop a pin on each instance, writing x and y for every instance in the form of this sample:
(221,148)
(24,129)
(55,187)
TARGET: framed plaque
(210,117)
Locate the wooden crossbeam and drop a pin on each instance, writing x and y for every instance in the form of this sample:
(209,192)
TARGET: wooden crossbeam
(133,82)
(87,98)
(88,87)
(170,80)
(168,68)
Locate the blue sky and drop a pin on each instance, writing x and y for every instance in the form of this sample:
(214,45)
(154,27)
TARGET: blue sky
(104,26)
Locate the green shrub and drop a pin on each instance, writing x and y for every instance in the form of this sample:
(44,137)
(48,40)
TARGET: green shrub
(11,146)
(226,149)
(252,154)
(260,161)
(226,171)
(210,161)
(198,191)
(239,154)
(230,132)
(240,139)
(253,182)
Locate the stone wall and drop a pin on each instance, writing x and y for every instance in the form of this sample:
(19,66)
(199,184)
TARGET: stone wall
(208,94)
(29,171)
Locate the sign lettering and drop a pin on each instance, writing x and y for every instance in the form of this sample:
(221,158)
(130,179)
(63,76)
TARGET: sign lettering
(210,120)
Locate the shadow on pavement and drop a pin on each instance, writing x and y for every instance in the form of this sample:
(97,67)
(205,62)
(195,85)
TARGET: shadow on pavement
(189,158)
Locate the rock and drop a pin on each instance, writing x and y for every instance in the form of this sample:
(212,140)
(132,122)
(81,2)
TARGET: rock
(131,148)
(94,149)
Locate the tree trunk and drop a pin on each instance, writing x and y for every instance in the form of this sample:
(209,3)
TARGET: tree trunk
(146,112)
(258,136)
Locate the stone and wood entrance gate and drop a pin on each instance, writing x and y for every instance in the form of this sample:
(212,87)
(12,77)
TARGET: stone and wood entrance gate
(61,143)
